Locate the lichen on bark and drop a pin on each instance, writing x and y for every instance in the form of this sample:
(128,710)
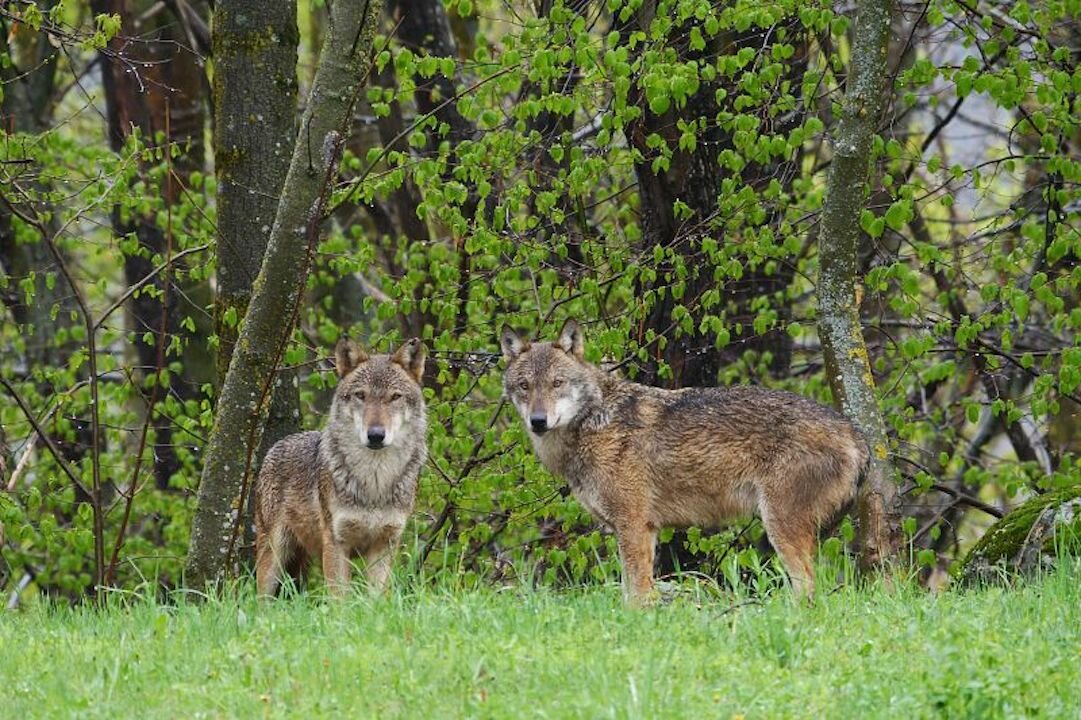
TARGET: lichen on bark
(848,368)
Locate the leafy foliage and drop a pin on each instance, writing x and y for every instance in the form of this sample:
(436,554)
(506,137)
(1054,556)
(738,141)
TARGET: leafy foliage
(512,183)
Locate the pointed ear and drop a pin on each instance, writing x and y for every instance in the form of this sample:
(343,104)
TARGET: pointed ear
(347,355)
(570,339)
(512,343)
(411,356)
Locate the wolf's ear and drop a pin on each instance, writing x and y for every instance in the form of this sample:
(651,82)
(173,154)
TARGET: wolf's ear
(512,343)
(347,355)
(411,356)
(570,339)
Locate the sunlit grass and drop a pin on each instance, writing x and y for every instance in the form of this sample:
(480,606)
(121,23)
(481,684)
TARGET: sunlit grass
(858,652)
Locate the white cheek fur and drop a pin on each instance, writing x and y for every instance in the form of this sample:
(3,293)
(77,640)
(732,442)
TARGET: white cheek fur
(523,410)
(397,419)
(566,409)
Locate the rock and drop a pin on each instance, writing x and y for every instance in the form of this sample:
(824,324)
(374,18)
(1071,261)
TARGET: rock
(1031,537)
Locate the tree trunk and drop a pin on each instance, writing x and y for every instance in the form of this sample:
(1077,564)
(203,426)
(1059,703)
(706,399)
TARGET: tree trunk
(847,366)
(255,97)
(166,97)
(695,178)
(425,27)
(343,65)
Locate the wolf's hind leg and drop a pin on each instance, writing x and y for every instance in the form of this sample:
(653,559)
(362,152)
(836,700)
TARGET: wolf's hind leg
(794,541)
(637,543)
(297,568)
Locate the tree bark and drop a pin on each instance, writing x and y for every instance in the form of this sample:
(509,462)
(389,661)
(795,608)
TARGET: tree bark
(343,64)
(847,366)
(255,98)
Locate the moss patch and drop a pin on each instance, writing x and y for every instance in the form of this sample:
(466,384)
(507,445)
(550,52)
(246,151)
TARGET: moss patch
(1004,541)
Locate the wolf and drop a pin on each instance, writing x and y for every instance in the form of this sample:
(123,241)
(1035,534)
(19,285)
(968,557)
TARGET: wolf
(348,490)
(642,458)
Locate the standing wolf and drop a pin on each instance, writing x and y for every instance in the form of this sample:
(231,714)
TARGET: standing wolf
(348,490)
(642,458)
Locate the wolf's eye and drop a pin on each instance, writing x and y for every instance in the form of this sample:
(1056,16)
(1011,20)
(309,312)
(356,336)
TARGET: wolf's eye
(360,396)
(523,385)
(557,382)
(395,396)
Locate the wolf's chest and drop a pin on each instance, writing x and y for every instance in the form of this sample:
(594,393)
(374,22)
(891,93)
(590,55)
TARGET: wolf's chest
(375,479)
(360,528)
(554,450)
(563,456)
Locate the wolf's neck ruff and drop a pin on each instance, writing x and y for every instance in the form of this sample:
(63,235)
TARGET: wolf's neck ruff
(371,478)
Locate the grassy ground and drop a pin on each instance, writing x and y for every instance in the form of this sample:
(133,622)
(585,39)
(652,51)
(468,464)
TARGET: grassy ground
(855,653)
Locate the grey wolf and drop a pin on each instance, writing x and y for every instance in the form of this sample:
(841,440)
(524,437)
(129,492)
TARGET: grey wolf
(642,458)
(348,490)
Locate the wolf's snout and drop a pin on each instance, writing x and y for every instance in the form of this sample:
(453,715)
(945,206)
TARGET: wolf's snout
(376,435)
(538,422)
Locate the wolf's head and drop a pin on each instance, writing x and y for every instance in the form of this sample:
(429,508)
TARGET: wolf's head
(549,383)
(378,395)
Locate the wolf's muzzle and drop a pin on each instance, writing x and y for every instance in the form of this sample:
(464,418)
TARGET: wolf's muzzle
(377,434)
(538,422)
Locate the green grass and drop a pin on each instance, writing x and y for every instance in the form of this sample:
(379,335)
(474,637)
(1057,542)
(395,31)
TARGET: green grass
(514,653)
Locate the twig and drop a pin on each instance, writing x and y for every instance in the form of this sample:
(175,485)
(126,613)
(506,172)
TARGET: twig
(13,601)
(92,360)
(143,281)
(60,461)
(961,498)
(24,461)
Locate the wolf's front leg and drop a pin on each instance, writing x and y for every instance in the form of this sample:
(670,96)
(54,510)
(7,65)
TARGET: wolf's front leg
(379,559)
(636,547)
(335,568)
(268,565)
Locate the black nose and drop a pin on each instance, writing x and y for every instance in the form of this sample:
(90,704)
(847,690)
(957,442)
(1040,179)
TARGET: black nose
(539,422)
(376,435)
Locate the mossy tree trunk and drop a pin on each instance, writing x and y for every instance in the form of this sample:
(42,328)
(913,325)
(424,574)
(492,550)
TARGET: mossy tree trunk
(255,97)
(847,365)
(342,68)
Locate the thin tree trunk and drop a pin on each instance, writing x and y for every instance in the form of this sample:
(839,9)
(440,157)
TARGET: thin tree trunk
(343,64)
(255,97)
(847,366)
(28,104)
(167,96)
(425,27)
(695,178)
